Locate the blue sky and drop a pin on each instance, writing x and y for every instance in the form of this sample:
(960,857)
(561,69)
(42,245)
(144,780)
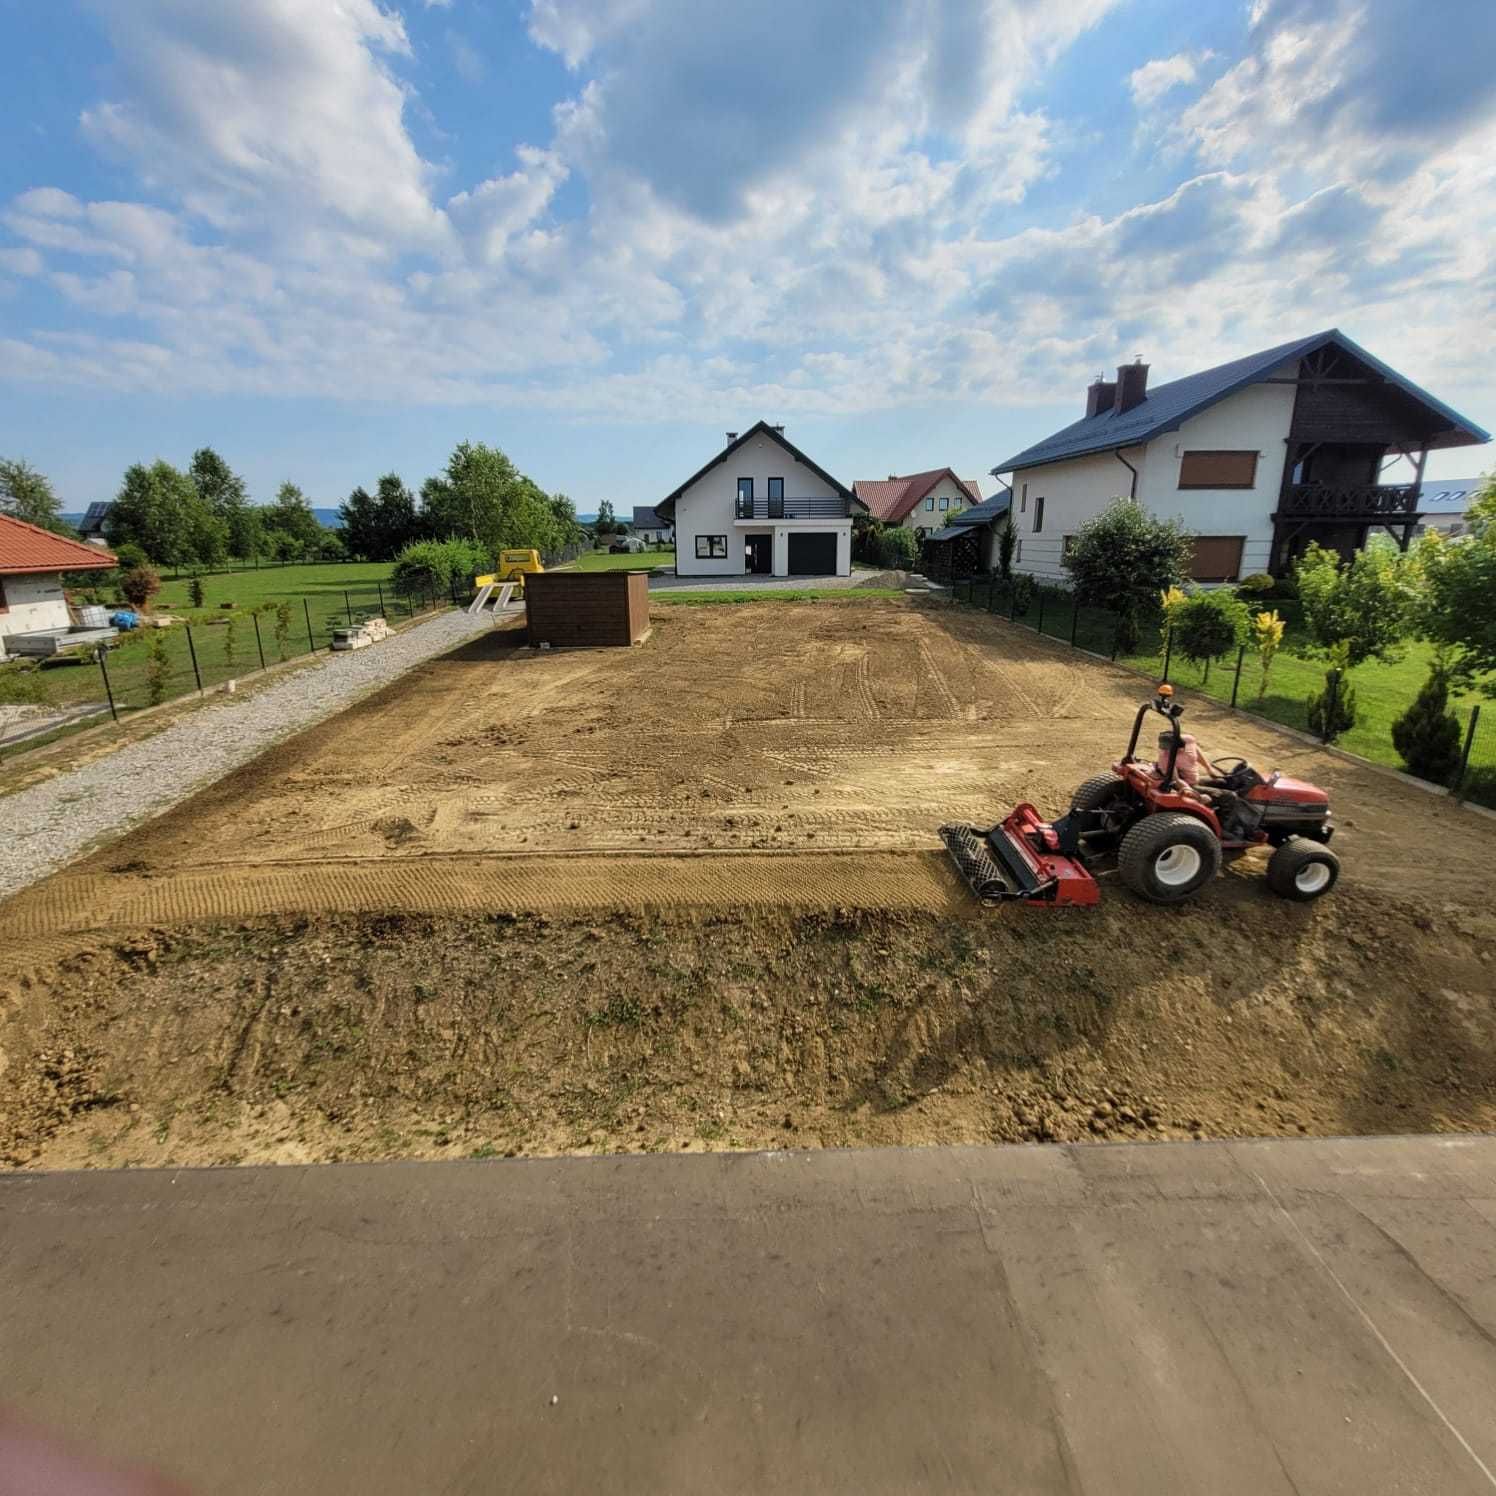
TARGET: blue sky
(335,237)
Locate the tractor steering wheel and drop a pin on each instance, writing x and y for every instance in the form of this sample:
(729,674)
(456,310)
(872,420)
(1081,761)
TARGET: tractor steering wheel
(1229,766)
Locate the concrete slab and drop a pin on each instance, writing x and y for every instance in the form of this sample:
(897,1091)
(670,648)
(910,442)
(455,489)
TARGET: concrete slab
(1299,1317)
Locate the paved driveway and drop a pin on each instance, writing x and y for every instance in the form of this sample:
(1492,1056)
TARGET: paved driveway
(747,584)
(1251,1319)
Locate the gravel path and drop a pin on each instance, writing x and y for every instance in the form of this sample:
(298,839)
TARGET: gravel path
(46,826)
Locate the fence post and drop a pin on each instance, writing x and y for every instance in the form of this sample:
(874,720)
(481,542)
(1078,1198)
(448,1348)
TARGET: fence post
(1459,782)
(380,589)
(311,643)
(259,644)
(192,650)
(1241,655)
(348,604)
(1168,649)
(100,651)
(1074,619)
(1039,627)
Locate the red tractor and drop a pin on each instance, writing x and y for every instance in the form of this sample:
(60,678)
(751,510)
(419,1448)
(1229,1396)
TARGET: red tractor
(1170,825)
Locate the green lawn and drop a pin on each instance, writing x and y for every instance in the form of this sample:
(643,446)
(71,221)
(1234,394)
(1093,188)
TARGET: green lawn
(1383,691)
(637,561)
(227,645)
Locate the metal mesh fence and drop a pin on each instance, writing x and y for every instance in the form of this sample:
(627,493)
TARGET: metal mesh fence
(1283,695)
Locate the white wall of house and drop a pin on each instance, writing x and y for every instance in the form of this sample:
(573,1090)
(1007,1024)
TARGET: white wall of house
(33,601)
(1255,419)
(707,508)
(929,514)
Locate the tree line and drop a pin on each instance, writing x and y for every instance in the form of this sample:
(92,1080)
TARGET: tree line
(203,516)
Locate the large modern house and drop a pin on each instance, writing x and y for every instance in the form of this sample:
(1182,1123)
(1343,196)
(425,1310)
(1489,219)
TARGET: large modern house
(761,506)
(1312,440)
(920,501)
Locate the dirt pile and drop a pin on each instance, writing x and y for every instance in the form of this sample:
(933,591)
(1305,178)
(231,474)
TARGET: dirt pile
(399,1036)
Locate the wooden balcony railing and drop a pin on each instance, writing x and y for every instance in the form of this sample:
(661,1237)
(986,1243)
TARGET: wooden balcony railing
(1356,501)
(791,509)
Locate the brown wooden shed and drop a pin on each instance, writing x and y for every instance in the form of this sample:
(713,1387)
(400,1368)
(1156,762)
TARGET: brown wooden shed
(571,608)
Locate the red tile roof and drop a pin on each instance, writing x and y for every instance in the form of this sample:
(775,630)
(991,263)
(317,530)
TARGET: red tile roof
(25,548)
(892,499)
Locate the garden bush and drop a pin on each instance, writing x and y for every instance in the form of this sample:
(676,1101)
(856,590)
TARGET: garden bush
(140,586)
(898,549)
(433,565)
(1255,586)
(1332,711)
(1123,559)
(1207,625)
(1025,594)
(1427,735)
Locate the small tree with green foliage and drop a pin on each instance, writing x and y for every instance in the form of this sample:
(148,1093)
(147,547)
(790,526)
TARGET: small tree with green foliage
(1456,607)
(1367,603)
(898,549)
(140,586)
(283,630)
(606,524)
(1123,559)
(129,556)
(1267,639)
(1007,540)
(433,565)
(1208,625)
(195,592)
(1332,711)
(1427,735)
(157,671)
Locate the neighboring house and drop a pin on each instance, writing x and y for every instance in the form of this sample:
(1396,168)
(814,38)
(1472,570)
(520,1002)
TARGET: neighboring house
(1446,501)
(91,527)
(1257,457)
(761,506)
(648,525)
(967,547)
(33,565)
(922,501)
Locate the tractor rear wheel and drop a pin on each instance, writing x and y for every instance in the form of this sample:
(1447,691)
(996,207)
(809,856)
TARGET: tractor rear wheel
(1302,870)
(1109,806)
(1168,857)
(1096,792)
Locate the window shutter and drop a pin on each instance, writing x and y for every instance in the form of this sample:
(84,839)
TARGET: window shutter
(1218,470)
(1217,558)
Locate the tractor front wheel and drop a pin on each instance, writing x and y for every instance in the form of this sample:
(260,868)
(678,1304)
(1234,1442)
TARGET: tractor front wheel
(1302,870)
(1168,857)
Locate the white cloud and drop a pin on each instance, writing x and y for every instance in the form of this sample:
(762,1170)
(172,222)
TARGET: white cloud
(272,116)
(1153,80)
(466,58)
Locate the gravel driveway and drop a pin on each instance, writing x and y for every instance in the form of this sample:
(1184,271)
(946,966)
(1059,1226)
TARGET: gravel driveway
(668,580)
(44,827)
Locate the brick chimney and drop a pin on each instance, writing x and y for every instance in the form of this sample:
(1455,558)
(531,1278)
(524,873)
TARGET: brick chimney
(1132,385)
(1100,397)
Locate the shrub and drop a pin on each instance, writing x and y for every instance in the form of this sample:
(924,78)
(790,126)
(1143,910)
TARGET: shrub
(230,640)
(1007,539)
(1123,559)
(433,565)
(1267,637)
(283,629)
(1427,735)
(867,537)
(898,549)
(195,592)
(1025,593)
(1255,585)
(1367,603)
(157,670)
(140,586)
(129,555)
(1208,625)
(1332,712)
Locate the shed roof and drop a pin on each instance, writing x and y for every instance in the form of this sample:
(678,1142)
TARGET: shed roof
(646,517)
(1169,406)
(28,548)
(985,512)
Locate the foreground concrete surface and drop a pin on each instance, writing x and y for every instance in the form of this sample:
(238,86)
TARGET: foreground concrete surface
(1296,1317)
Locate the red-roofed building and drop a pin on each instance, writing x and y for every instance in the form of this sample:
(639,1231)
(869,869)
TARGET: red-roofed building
(921,501)
(33,565)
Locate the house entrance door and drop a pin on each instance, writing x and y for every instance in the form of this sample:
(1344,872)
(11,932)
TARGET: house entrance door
(759,554)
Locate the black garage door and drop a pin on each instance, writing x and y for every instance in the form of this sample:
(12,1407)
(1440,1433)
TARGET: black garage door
(813,555)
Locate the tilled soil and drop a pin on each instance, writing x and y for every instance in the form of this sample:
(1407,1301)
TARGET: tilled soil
(674,895)
(361,1037)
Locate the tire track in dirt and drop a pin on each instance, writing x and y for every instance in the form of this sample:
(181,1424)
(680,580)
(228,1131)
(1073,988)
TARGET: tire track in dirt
(953,708)
(918,880)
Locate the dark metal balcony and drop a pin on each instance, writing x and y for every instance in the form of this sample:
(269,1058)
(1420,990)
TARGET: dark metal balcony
(1354,501)
(791,509)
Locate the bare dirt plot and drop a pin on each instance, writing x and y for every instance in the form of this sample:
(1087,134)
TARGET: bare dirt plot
(729,836)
